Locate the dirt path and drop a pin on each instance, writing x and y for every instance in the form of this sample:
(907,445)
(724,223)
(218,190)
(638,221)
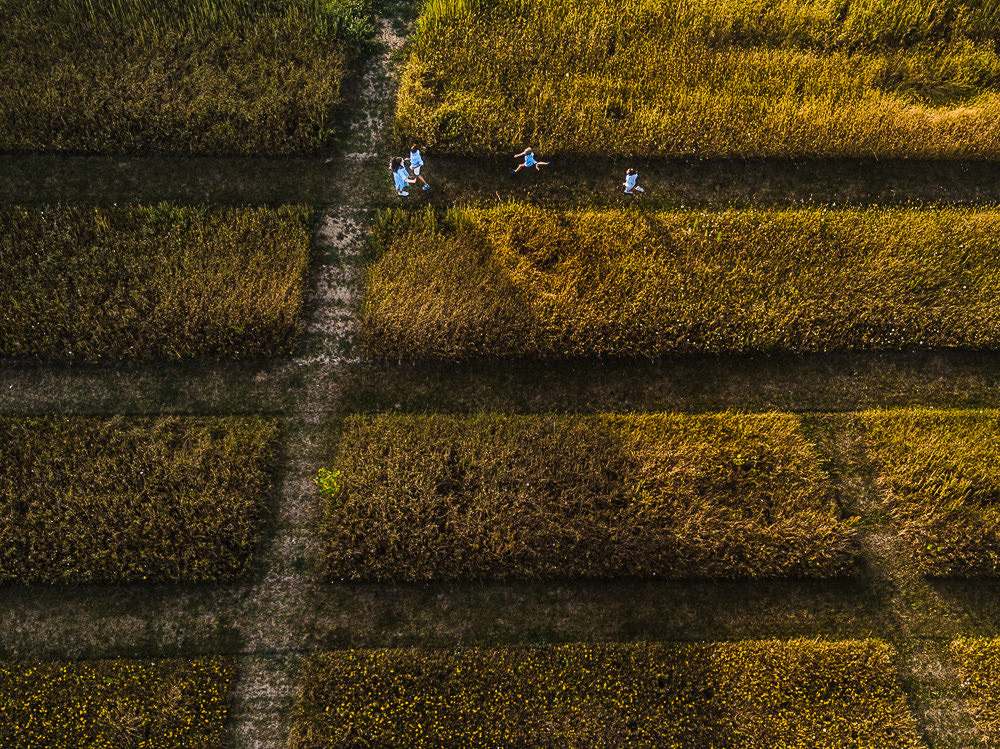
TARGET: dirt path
(278,614)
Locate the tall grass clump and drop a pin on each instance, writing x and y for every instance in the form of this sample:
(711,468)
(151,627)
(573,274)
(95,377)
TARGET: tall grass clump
(516,280)
(162,704)
(175,76)
(165,499)
(776,694)
(158,282)
(422,498)
(899,78)
(979,662)
(939,474)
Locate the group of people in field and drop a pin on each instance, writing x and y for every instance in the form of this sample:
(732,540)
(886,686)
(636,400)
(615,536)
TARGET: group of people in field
(403,176)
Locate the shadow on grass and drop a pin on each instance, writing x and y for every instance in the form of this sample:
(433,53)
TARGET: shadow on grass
(822,382)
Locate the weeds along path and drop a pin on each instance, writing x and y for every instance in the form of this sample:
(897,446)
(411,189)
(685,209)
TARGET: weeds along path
(918,621)
(277,616)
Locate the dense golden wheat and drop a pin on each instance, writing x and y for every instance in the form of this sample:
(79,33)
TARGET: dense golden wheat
(762,78)
(523,281)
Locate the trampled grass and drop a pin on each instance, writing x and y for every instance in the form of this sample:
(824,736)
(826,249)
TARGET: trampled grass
(117,703)
(527,497)
(161,282)
(939,472)
(901,78)
(800,693)
(979,661)
(168,76)
(516,280)
(131,500)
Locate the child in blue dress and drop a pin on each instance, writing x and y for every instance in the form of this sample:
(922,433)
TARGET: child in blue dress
(529,161)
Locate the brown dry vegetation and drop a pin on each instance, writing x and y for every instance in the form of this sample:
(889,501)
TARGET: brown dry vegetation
(939,472)
(130,500)
(527,497)
(160,282)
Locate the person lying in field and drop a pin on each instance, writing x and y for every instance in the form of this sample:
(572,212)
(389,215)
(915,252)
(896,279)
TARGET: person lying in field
(529,161)
(416,164)
(631,188)
(400,176)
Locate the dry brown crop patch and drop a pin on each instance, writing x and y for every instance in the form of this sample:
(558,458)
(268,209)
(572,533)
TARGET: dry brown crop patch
(527,497)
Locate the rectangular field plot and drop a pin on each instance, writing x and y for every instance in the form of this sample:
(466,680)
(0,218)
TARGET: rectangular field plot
(536,497)
(798,693)
(939,472)
(522,281)
(117,703)
(162,282)
(979,662)
(173,76)
(154,500)
(900,78)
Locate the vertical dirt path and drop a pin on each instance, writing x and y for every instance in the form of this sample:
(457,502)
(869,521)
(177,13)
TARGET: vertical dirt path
(275,619)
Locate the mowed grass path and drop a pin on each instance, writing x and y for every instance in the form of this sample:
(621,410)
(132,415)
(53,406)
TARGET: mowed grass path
(640,78)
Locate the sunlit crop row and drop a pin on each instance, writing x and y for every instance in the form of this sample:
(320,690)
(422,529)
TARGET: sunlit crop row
(516,280)
(516,497)
(939,475)
(634,77)
(171,76)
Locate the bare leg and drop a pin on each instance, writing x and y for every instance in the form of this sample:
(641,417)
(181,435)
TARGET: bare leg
(519,168)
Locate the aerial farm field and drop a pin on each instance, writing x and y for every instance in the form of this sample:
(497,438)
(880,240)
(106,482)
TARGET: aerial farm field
(290,460)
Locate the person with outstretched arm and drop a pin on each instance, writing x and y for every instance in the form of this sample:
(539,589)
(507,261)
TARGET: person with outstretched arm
(529,161)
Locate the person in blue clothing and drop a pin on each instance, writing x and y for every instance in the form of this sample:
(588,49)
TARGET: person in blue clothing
(400,176)
(631,186)
(416,164)
(529,161)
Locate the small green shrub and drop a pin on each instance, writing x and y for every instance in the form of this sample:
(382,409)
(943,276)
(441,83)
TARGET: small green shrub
(132,500)
(979,661)
(160,282)
(516,280)
(171,76)
(799,694)
(526,497)
(939,473)
(119,703)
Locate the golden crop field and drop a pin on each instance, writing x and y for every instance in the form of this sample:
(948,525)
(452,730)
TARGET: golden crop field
(517,280)
(899,78)
(211,76)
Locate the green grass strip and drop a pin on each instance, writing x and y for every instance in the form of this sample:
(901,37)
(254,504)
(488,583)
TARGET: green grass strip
(118,703)
(132,500)
(516,280)
(939,475)
(884,78)
(776,694)
(534,497)
(162,282)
